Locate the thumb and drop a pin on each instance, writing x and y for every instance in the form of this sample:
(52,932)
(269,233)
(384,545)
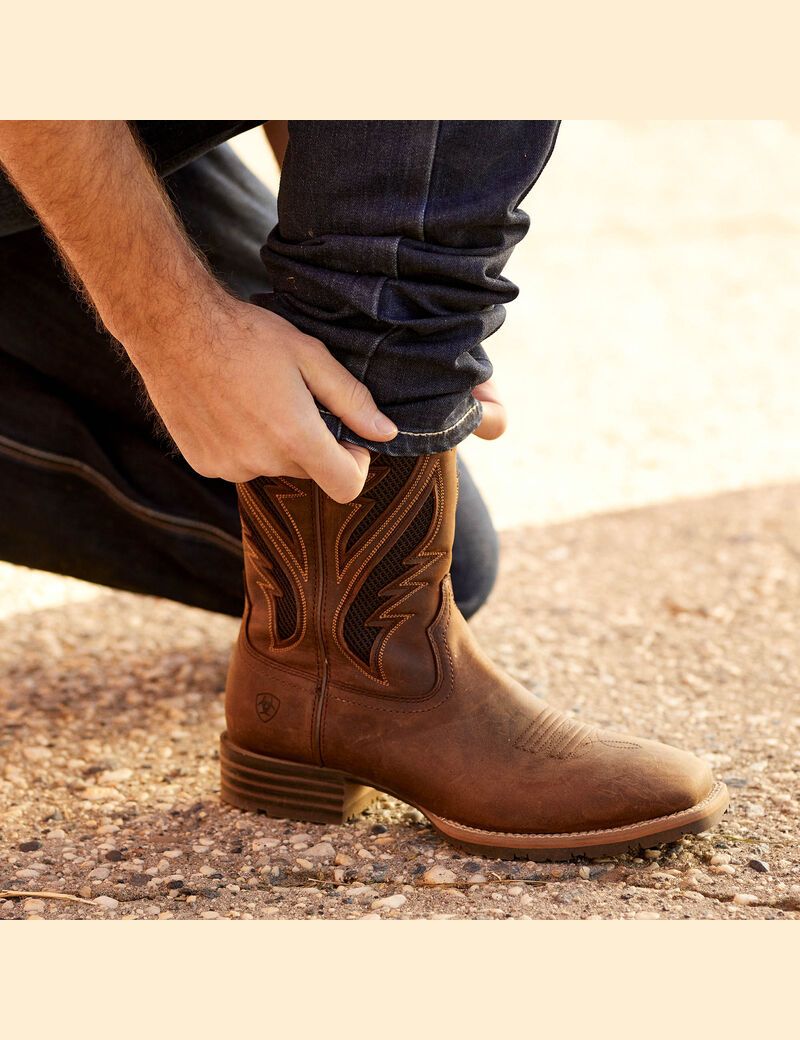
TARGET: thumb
(348,399)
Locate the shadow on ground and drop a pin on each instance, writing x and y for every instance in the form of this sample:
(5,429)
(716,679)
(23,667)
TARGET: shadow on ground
(678,622)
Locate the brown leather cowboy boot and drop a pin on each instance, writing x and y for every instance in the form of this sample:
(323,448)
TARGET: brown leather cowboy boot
(355,673)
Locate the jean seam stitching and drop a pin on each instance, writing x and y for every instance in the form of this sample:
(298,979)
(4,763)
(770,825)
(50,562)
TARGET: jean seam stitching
(426,433)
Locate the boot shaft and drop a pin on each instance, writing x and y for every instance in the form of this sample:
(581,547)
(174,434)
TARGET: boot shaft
(345,594)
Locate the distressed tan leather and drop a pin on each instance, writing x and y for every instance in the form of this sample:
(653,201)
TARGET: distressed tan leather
(352,655)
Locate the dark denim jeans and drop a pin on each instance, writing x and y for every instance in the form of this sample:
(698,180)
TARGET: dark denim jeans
(86,487)
(390,247)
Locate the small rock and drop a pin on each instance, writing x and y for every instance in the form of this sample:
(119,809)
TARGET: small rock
(343,860)
(33,906)
(759,866)
(584,872)
(719,858)
(95,793)
(438,875)
(323,851)
(652,853)
(263,843)
(647,915)
(30,846)
(106,902)
(57,834)
(745,899)
(210,915)
(306,864)
(115,776)
(393,902)
(100,873)
(37,754)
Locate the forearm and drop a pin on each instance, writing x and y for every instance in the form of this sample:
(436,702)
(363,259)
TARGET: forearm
(101,203)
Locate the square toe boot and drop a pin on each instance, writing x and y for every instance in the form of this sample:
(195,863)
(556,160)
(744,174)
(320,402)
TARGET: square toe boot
(354,673)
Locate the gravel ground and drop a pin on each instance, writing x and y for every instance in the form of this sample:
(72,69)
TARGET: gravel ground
(677,621)
(651,356)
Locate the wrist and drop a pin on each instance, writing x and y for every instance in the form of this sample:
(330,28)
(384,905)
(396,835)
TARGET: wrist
(164,317)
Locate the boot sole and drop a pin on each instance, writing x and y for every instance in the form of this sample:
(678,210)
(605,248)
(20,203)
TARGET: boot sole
(292,791)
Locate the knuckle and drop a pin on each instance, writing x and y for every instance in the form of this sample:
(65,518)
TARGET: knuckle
(312,344)
(359,398)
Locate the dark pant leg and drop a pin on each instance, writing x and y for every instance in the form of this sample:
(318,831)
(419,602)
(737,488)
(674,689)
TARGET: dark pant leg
(86,487)
(391,242)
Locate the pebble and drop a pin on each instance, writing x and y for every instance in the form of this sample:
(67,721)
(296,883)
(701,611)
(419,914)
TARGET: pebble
(33,906)
(36,754)
(719,858)
(343,860)
(264,843)
(647,915)
(438,875)
(106,902)
(115,776)
(306,864)
(95,793)
(745,899)
(759,866)
(323,851)
(30,846)
(100,873)
(585,872)
(393,902)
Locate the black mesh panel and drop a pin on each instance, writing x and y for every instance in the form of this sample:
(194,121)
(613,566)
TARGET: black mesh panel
(382,495)
(359,636)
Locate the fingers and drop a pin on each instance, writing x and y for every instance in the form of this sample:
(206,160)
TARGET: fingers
(339,469)
(342,394)
(494,421)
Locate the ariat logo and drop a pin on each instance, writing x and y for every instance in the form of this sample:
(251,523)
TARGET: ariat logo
(267,705)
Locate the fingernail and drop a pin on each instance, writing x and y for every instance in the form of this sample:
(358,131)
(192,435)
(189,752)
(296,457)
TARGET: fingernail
(385,426)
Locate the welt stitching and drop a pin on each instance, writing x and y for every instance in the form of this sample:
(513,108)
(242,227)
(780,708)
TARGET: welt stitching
(579,834)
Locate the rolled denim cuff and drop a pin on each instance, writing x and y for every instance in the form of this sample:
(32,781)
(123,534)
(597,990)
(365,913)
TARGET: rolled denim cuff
(414,442)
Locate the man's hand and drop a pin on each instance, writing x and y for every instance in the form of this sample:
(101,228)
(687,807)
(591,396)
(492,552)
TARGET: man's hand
(232,383)
(235,386)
